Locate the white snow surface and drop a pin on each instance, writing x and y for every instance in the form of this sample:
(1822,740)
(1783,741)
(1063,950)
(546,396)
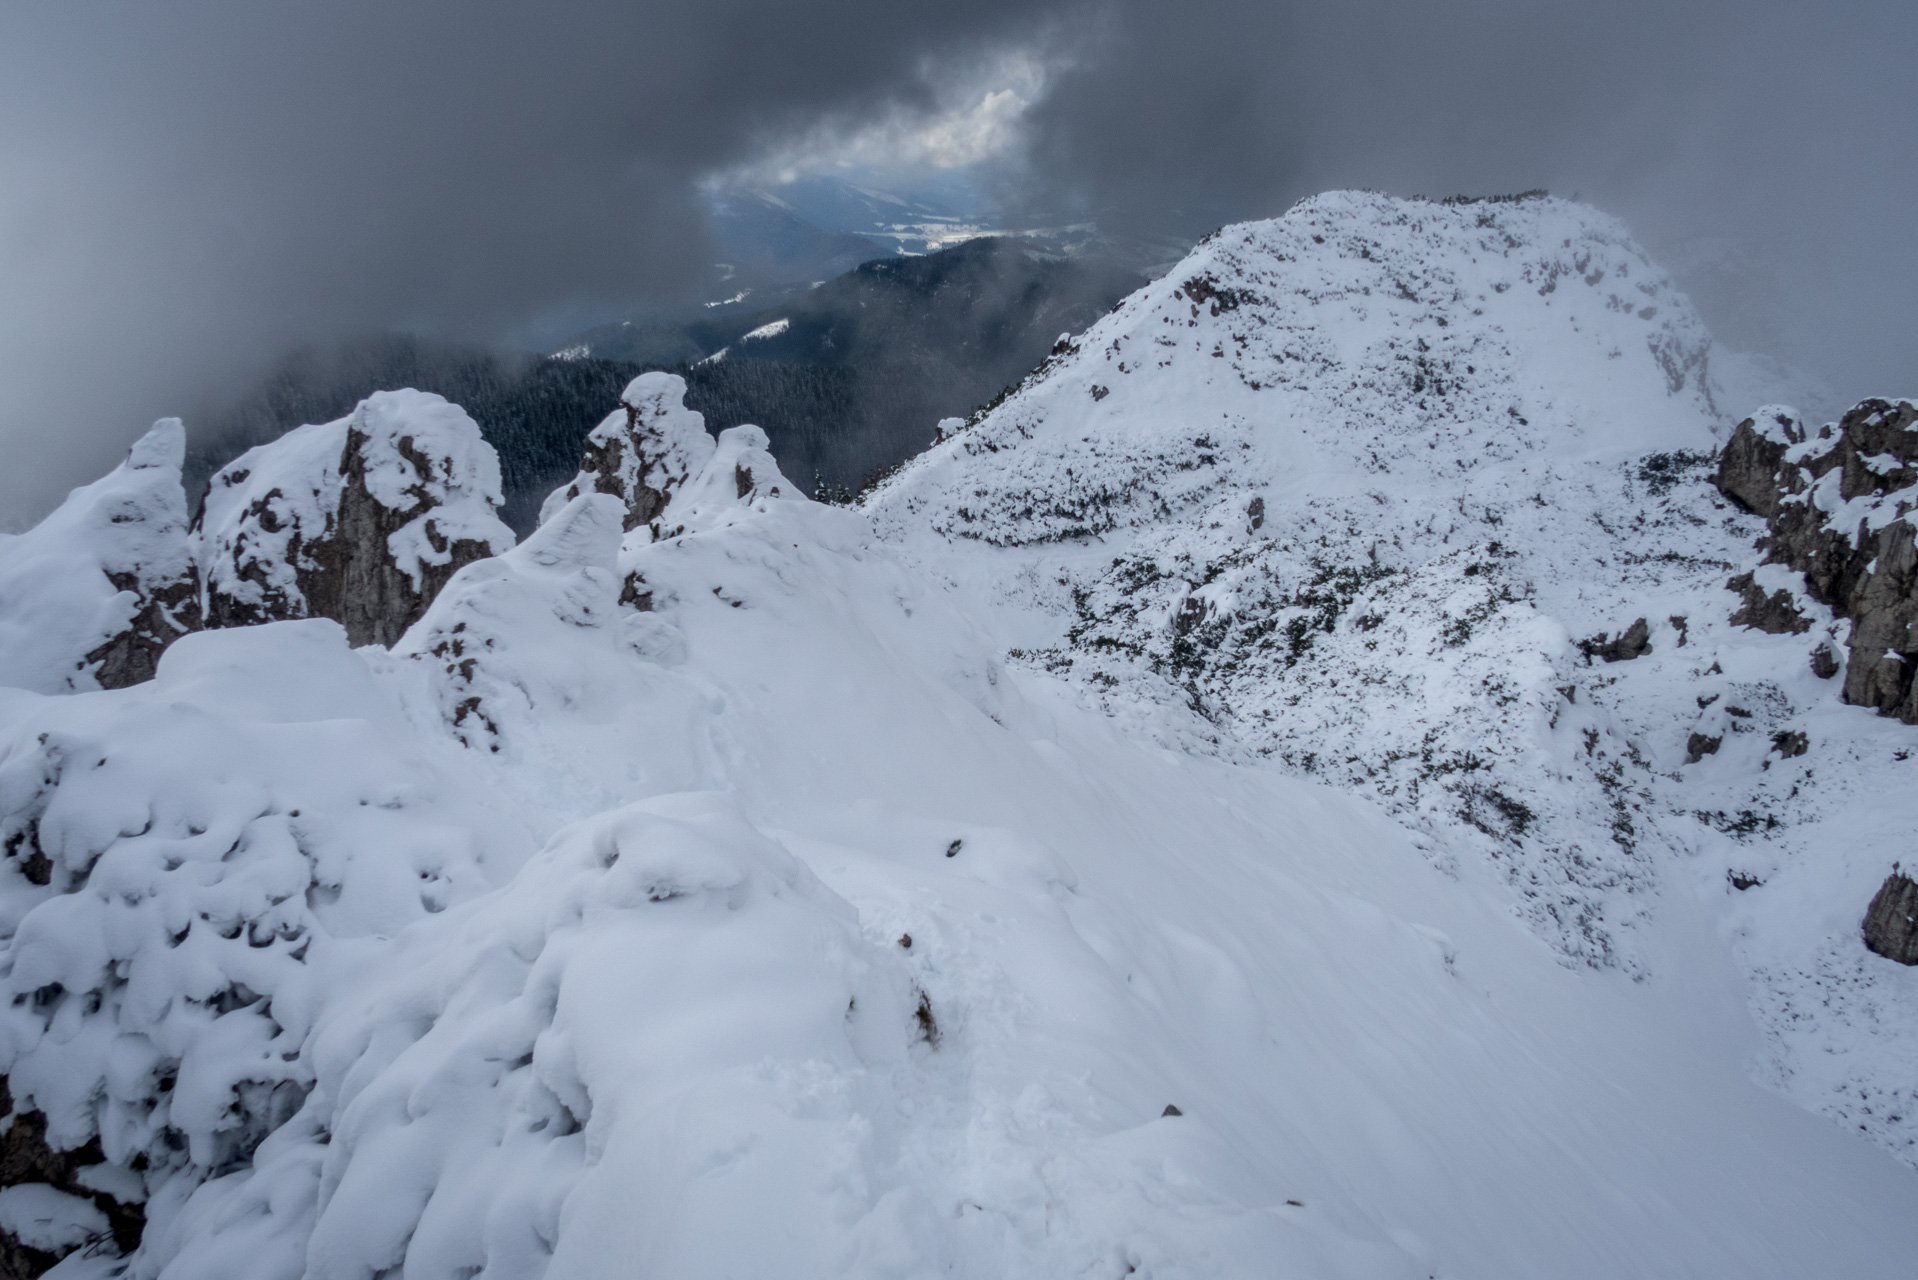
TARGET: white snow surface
(860,908)
(772,330)
(57,600)
(51,1221)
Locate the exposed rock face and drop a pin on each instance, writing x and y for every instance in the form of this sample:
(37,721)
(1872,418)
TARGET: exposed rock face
(1891,922)
(95,593)
(361,520)
(1776,613)
(1838,503)
(1633,642)
(643,452)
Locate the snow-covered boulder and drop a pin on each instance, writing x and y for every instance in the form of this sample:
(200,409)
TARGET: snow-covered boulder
(527,636)
(185,864)
(361,520)
(643,451)
(655,988)
(92,595)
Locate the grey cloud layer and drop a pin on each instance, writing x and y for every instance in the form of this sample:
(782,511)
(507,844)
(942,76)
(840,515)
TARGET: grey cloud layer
(185,188)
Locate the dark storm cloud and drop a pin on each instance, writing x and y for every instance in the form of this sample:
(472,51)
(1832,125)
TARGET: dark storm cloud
(187,187)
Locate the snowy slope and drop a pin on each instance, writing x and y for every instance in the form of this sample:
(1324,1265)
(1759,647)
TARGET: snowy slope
(1352,487)
(696,1003)
(771,888)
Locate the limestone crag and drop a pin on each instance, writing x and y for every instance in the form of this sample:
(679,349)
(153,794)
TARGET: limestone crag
(642,452)
(1837,504)
(362,520)
(1891,922)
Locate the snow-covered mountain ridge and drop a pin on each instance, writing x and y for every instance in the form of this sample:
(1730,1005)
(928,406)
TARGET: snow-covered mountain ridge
(1380,489)
(1130,846)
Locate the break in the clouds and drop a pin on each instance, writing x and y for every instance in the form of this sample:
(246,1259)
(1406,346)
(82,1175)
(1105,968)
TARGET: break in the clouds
(185,189)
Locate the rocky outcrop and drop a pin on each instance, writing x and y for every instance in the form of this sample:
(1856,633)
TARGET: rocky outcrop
(92,596)
(1837,504)
(642,453)
(1891,922)
(362,520)
(1634,641)
(1776,614)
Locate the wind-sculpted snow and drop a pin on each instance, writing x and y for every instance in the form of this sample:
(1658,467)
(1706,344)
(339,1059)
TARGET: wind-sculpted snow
(665,1018)
(91,596)
(183,863)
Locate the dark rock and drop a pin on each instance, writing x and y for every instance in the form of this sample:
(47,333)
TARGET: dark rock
(1170,1110)
(1634,642)
(1255,515)
(167,611)
(1679,624)
(363,520)
(1891,922)
(1824,661)
(1867,573)
(1741,882)
(1776,614)
(1790,742)
(1700,745)
(1748,467)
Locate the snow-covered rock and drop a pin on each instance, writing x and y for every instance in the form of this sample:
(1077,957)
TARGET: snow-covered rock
(526,637)
(644,451)
(1837,504)
(184,860)
(92,595)
(360,520)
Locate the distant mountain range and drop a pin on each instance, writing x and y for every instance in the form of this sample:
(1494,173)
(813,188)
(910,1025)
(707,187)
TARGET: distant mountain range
(848,377)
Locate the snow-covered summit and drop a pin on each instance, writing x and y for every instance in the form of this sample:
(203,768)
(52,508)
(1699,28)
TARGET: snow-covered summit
(1359,341)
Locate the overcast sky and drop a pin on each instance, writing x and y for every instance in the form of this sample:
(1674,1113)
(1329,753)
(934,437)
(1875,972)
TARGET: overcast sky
(187,188)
